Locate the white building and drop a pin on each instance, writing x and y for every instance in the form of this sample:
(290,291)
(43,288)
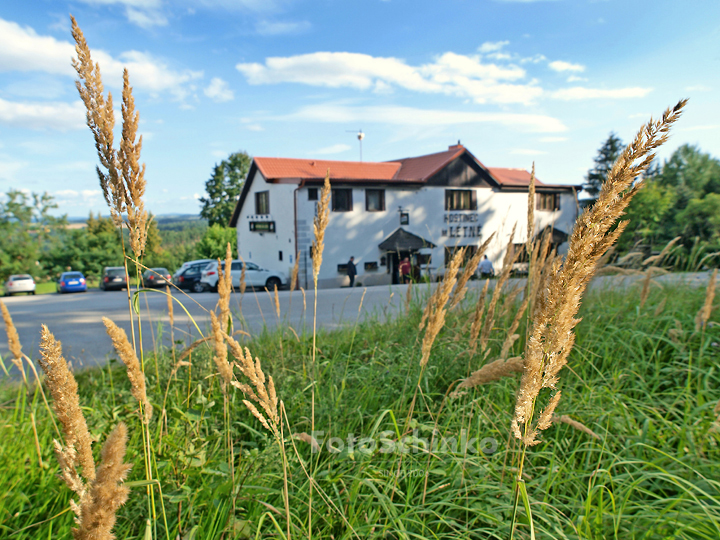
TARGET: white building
(423,207)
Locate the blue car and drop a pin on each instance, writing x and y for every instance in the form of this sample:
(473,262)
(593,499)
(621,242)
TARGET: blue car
(71,282)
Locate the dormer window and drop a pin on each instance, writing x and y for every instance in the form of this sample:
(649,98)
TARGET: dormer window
(460,199)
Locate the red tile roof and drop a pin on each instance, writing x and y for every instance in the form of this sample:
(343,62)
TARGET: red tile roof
(423,167)
(277,168)
(413,169)
(513,177)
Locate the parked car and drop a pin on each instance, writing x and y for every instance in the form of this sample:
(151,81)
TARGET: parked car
(19,283)
(201,263)
(254,276)
(71,282)
(156,277)
(190,279)
(113,277)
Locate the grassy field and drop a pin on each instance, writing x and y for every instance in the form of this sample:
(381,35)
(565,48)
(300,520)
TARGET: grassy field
(643,380)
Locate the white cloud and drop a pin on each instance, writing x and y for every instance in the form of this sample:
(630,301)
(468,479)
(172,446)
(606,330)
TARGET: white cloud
(22,49)
(698,88)
(334,149)
(575,78)
(145,18)
(409,116)
(267,28)
(579,92)
(553,139)
(450,74)
(560,66)
(219,91)
(143,13)
(536,59)
(43,115)
(72,197)
(492,46)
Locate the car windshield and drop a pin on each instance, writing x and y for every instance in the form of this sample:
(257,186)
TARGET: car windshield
(20,278)
(73,275)
(251,266)
(162,271)
(115,272)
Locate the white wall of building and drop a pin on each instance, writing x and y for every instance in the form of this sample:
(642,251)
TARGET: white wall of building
(264,248)
(358,232)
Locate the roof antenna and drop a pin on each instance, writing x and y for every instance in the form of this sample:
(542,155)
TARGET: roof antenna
(360,136)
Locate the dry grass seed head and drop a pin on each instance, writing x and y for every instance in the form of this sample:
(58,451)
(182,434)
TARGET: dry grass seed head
(135,375)
(294,273)
(511,336)
(66,403)
(261,393)
(531,211)
(107,493)
(243,283)
(436,318)
(221,354)
(309,439)
(13,338)
(508,261)
(225,287)
(408,297)
(171,311)
(320,223)
(123,182)
(703,316)
(492,372)
(575,424)
(276,300)
(657,260)
(478,318)
(552,335)
(660,307)
(468,272)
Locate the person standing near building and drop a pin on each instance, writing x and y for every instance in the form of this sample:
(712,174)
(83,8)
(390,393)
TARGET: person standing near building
(486,268)
(405,269)
(351,271)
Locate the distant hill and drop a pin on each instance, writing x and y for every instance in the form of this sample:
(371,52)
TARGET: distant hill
(162,220)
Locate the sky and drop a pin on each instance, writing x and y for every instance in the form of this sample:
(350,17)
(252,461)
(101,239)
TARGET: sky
(515,81)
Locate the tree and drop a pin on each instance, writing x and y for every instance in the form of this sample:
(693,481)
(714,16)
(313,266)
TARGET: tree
(87,250)
(214,242)
(27,232)
(606,156)
(224,187)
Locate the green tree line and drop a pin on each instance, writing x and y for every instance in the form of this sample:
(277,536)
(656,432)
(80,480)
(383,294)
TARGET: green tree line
(679,198)
(34,242)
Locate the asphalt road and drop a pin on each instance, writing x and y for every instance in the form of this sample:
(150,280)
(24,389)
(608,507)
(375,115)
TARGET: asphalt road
(76,319)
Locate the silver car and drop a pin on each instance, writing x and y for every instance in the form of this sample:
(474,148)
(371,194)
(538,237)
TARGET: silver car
(254,276)
(19,283)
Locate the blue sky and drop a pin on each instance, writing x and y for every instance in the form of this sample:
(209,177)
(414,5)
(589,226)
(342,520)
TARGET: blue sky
(514,81)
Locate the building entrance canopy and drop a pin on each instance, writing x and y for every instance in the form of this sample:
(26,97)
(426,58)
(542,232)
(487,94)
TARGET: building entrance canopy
(402,240)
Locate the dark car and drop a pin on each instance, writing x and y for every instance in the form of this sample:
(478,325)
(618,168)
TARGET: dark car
(71,282)
(156,277)
(113,278)
(190,278)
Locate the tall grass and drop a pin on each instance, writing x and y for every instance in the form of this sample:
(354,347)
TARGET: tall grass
(397,447)
(653,472)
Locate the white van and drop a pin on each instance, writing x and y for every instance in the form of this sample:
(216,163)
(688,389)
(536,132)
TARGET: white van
(254,276)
